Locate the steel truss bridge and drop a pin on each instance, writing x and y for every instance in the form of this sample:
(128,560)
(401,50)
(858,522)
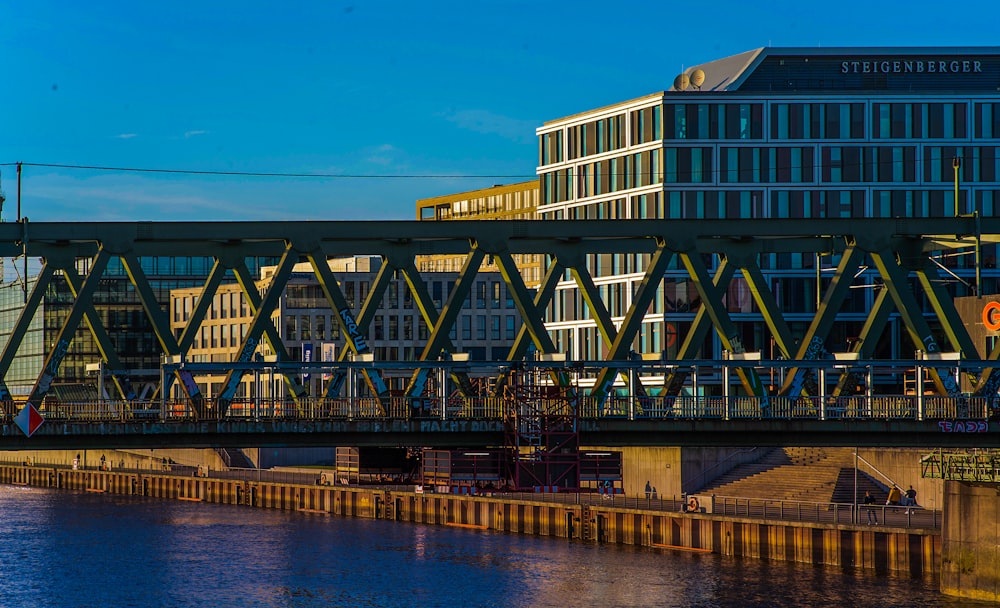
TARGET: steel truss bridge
(551,414)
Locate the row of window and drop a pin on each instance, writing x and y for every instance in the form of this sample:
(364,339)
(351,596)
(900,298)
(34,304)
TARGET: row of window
(510,204)
(485,294)
(678,295)
(749,204)
(746,121)
(664,338)
(837,164)
(384,327)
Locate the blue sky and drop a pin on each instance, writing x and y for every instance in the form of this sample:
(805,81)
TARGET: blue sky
(449,92)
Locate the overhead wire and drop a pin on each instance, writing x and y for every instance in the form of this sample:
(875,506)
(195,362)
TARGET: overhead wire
(256,173)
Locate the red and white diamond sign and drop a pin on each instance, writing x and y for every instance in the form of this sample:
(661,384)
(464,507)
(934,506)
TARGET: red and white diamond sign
(28,420)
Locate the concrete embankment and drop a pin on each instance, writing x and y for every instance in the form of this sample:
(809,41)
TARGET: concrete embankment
(914,552)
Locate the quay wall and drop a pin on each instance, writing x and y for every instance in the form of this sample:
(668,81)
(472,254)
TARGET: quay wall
(914,552)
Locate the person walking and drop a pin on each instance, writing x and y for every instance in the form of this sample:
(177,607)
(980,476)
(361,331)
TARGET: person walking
(869,503)
(894,496)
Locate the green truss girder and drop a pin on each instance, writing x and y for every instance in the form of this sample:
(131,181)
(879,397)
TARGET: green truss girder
(712,301)
(261,326)
(864,348)
(694,340)
(429,313)
(946,312)
(157,317)
(84,300)
(355,334)
(769,308)
(23,322)
(368,309)
(909,310)
(643,297)
(60,244)
(438,339)
(813,345)
(101,338)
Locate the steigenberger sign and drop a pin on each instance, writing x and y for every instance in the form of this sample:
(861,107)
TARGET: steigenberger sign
(912,66)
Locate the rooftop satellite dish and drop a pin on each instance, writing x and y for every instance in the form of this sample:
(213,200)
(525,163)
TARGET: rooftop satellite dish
(698,78)
(681,82)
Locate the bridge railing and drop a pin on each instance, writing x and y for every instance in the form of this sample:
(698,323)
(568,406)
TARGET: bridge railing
(685,407)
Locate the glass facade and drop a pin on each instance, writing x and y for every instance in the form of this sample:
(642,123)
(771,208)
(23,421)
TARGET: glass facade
(120,311)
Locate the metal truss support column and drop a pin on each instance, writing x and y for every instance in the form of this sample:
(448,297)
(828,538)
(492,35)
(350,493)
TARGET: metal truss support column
(712,301)
(944,307)
(159,320)
(269,332)
(532,315)
(813,343)
(864,348)
(84,298)
(354,334)
(532,328)
(694,339)
(439,332)
(368,309)
(108,353)
(762,294)
(425,304)
(592,298)
(909,310)
(532,312)
(621,347)
(260,326)
(21,326)
(191,329)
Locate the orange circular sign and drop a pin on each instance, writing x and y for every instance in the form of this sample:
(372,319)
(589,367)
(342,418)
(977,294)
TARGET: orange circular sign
(991,316)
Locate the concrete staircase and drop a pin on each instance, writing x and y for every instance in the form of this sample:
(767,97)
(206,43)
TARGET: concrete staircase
(806,474)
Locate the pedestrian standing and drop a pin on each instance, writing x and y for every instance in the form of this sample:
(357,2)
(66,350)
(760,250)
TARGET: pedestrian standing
(869,502)
(649,490)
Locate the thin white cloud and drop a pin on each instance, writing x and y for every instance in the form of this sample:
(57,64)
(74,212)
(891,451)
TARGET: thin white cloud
(384,154)
(126,135)
(117,198)
(484,121)
(190,134)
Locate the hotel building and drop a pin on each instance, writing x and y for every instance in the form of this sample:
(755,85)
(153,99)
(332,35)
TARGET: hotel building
(777,133)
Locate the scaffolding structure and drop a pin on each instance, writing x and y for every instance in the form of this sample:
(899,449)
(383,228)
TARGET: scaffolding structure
(541,431)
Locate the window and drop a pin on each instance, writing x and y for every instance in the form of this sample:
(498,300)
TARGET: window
(393,327)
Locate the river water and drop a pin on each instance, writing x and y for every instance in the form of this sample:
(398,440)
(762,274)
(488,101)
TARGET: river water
(63,548)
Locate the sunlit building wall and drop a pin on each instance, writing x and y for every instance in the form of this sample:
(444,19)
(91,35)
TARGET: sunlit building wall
(505,202)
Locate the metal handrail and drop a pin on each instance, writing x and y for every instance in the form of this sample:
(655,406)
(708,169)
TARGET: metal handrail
(892,483)
(945,410)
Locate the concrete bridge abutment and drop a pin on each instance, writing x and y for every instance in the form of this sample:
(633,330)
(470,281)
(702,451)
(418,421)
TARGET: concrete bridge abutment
(970,540)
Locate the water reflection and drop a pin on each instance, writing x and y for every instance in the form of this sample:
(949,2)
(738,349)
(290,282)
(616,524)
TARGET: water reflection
(64,548)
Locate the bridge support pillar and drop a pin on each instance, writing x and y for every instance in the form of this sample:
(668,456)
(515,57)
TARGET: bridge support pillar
(970,535)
